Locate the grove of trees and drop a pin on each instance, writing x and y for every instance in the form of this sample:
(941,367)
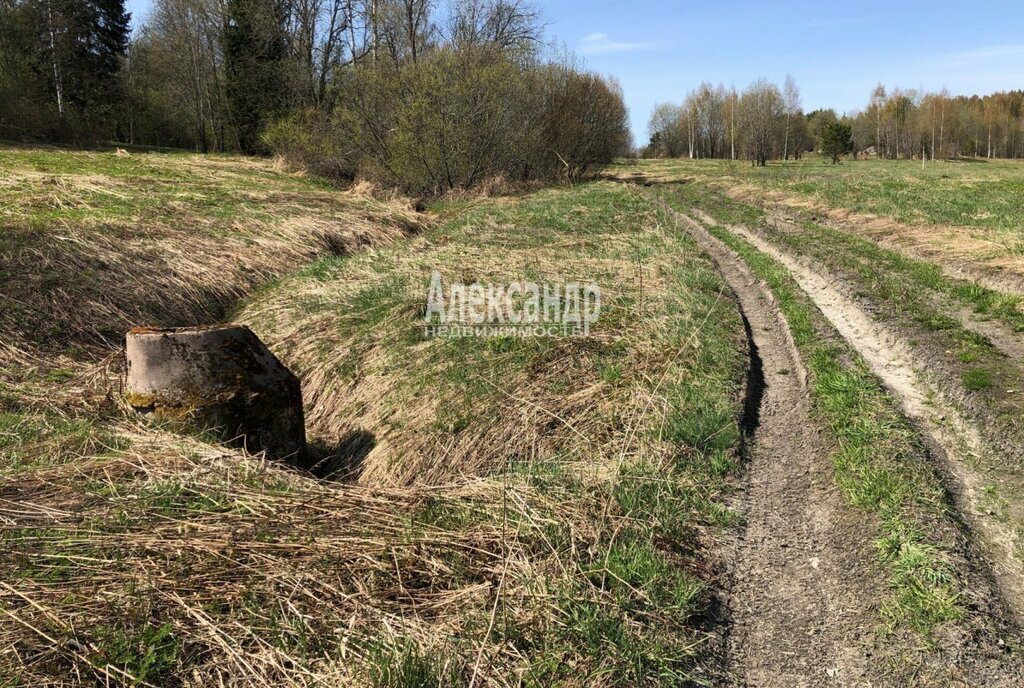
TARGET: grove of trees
(60,65)
(423,94)
(766,122)
(761,123)
(907,123)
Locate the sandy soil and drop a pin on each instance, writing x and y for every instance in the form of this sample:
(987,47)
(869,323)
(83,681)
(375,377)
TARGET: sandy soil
(957,253)
(999,334)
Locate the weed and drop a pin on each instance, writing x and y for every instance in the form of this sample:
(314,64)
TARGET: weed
(405,665)
(977,379)
(147,654)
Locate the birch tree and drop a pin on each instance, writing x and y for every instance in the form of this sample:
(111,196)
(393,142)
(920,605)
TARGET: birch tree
(791,104)
(761,106)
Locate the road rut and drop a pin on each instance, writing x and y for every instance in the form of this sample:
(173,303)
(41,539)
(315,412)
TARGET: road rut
(801,601)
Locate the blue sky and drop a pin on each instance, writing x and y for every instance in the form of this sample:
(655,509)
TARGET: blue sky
(836,51)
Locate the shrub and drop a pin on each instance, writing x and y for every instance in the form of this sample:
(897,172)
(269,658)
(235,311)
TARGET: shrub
(457,118)
(308,139)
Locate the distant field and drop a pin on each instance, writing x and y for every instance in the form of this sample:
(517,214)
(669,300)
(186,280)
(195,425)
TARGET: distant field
(983,195)
(958,211)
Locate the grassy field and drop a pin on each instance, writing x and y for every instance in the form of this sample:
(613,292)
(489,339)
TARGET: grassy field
(972,332)
(94,243)
(486,511)
(982,195)
(522,511)
(969,212)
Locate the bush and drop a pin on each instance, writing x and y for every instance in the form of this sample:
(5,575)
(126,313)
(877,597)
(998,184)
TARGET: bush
(309,140)
(447,121)
(583,125)
(457,118)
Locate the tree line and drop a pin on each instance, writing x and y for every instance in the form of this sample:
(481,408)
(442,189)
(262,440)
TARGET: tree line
(766,122)
(424,94)
(909,123)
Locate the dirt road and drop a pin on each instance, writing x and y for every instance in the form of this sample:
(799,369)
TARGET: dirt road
(802,593)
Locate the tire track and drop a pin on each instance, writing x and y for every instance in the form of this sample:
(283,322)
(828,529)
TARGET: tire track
(1000,335)
(802,594)
(957,442)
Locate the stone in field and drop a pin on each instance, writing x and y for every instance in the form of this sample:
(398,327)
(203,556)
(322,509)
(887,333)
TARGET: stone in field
(220,378)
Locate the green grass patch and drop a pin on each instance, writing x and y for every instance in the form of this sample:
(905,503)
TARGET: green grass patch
(31,439)
(403,664)
(149,653)
(977,379)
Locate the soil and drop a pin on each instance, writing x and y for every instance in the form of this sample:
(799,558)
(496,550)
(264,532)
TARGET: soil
(1002,337)
(801,600)
(895,363)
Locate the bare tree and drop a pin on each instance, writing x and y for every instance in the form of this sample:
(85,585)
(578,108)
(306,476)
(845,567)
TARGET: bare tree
(318,29)
(877,102)
(732,106)
(791,104)
(689,116)
(943,99)
(761,106)
(416,13)
(666,129)
(710,119)
(180,49)
(57,83)
(502,24)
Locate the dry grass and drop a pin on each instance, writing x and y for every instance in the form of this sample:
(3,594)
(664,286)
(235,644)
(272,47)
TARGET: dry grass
(253,565)
(262,576)
(530,512)
(160,239)
(980,255)
(352,330)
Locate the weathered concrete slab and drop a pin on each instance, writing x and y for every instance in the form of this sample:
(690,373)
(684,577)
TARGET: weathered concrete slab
(220,378)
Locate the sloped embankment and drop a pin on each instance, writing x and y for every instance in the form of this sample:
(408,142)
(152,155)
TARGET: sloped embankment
(93,244)
(526,509)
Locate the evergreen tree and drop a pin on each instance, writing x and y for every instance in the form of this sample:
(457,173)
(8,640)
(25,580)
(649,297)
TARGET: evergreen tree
(64,57)
(86,42)
(836,140)
(255,56)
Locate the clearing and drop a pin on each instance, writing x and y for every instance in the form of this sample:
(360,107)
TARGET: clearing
(787,455)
